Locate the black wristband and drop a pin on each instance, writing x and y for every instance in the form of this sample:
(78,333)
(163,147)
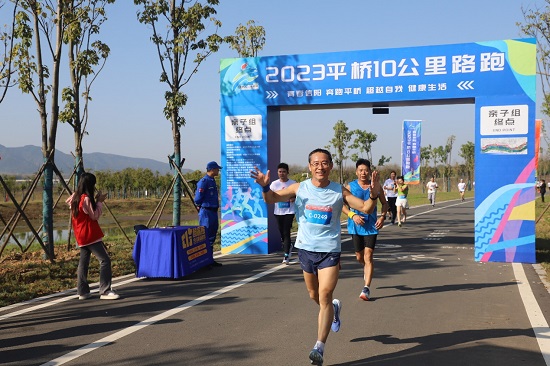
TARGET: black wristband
(266,189)
(375,198)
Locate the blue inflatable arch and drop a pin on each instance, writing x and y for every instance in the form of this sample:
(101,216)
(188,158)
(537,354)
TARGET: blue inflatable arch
(498,77)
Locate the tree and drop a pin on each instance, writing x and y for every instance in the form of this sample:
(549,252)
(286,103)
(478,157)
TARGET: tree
(6,57)
(383,160)
(37,22)
(537,25)
(248,40)
(104,182)
(425,157)
(40,30)
(448,151)
(11,185)
(439,155)
(87,58)
(178,36)
(467,152)
(340,143)
(363,142)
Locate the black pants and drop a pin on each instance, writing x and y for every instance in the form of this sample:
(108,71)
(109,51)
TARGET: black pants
(284,222)
(105,274)
(393,208)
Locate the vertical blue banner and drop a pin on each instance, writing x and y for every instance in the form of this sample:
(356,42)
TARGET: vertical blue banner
(410,152)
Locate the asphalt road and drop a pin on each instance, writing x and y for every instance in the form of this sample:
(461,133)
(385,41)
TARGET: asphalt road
(432,305)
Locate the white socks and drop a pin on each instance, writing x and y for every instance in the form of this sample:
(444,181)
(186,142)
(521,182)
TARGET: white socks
(320,346)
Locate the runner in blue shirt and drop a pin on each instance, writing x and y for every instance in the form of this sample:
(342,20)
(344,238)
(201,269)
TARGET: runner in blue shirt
(364,227)
(318,204)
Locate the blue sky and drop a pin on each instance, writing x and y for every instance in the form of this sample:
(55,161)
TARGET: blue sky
(126,115)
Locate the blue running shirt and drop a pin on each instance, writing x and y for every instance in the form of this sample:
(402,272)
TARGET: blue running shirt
(368,228)
(318,212)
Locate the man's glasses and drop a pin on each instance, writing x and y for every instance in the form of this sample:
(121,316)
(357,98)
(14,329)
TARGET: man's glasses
(316,164)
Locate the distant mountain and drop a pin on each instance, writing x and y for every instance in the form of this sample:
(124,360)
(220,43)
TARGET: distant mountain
(28,159)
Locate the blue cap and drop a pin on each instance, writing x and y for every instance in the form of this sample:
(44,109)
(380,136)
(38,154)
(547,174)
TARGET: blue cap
(212,165)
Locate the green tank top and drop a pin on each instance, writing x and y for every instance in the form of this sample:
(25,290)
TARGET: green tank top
(404,192)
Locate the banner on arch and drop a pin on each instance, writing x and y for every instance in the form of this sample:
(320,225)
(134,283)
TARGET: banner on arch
(538,128)
(410,152)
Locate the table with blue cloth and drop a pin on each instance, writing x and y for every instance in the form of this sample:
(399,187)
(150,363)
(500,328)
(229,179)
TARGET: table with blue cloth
(172,252)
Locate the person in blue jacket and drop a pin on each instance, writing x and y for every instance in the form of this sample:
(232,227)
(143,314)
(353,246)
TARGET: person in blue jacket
(206,197)
(364,227)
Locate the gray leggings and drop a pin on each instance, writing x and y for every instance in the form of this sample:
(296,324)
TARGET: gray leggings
(105,274)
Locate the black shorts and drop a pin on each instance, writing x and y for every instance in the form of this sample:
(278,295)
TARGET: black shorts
(311,262)
(360,242)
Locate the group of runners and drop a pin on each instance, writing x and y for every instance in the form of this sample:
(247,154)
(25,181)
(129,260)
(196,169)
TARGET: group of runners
(318,204)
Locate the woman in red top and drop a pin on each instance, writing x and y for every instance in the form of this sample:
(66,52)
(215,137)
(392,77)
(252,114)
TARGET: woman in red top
(85,211)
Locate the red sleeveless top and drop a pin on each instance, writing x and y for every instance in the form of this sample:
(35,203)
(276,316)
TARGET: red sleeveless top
(85,225)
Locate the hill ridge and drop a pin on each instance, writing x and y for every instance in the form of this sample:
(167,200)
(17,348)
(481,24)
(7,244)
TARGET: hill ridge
(27,160)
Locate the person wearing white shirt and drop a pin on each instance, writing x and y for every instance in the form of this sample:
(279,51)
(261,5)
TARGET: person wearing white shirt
(462,188)
(390,189)
(284,211)
(432,189)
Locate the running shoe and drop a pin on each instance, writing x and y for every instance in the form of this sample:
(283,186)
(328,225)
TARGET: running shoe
(365,294)
(109,295)
(285,260)
(84,296)
(399,224)
(316,357)
(336,322)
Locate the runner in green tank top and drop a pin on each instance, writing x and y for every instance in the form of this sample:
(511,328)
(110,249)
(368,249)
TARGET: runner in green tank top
(402,203)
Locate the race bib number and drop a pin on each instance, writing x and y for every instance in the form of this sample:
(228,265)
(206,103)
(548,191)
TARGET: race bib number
(318,214)
(283,204)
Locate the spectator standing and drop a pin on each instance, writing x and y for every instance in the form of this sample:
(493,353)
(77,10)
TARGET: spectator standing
(542,189)
(390,188)
(206,197)
(284,211)
(85,211)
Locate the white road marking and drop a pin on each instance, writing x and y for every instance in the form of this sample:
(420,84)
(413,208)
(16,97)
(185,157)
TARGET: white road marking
(54,302)
(134,328)
(536,317)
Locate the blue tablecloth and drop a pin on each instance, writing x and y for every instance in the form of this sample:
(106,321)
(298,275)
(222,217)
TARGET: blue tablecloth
(172,252)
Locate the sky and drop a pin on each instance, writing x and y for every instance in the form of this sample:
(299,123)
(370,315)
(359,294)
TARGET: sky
(126,113)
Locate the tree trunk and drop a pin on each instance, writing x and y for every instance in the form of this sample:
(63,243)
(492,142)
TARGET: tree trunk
(47,210)
(177,161)
(76,123)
